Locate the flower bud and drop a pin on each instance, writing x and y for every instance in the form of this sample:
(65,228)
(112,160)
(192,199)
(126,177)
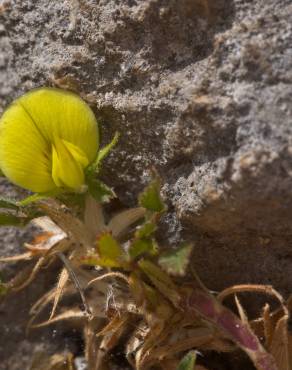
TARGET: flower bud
(47,138)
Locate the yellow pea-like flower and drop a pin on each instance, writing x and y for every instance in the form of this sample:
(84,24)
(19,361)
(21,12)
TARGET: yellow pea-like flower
(47,138)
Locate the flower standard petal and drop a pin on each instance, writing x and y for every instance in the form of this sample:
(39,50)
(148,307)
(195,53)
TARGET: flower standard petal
(47,138)
(63,114)
(24,153)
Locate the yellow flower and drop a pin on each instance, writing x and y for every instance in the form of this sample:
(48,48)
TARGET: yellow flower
(47,138)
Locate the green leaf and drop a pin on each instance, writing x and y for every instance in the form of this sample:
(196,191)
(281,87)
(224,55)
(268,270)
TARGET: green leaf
(142,246)
(188,362)
(95,166)
(36,197)
(142,242)
(7,219)
(176,262)
(100,191)
(8,203)
(160,280)
(105,151)
(146,230)
(3,287)
(110,252)
(151,295)
(150,198)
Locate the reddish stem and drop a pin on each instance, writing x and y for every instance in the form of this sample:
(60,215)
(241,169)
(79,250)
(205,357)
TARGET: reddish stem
(205,305)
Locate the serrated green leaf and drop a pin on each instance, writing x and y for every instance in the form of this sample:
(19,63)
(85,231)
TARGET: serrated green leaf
(95,166)
(8,203)
(176,262)
(142,246)
(188,362)
(145,230)
(105,151)
(110,252)
(150,198)
(160,280)
(100,191)
(7,219)
(143,243)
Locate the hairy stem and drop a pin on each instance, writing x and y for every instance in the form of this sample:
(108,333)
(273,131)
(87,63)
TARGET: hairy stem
(202,303)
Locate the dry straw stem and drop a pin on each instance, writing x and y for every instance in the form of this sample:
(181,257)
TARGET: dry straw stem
(257,288)
(71,273)
(63,278)
(115,274)
(274,327)
(35,270)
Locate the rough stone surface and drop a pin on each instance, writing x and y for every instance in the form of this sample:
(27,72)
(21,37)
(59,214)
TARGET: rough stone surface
(199,89)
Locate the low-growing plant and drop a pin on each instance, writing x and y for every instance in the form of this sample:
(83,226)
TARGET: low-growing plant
(133,293)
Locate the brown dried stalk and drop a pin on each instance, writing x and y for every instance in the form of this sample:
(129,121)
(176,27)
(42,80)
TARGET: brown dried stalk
(265,289)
